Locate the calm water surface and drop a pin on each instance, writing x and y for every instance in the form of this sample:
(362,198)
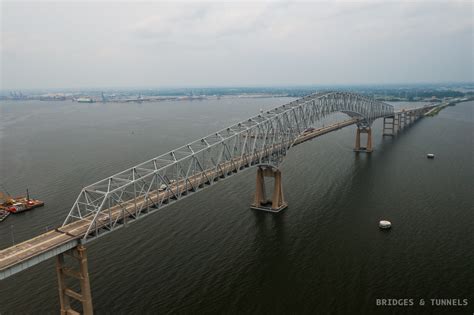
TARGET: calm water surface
(210,253)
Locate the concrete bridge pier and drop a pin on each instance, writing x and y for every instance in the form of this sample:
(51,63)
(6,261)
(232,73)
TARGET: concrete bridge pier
(389,126)
(66,294)
(277,203)
(400,121)
(396,123)
(368,147)
(403,120)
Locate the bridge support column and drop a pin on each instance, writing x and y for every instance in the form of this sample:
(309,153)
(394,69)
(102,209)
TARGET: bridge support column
(389,126)
(397,122)
(277,203)
(417,115)
(368,147)
(65,293)
(403,121)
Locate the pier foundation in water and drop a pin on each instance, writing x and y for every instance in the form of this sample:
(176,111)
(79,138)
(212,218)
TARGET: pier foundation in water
(277,201)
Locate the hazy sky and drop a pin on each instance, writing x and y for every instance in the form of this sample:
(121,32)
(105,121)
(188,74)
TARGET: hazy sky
(119,44)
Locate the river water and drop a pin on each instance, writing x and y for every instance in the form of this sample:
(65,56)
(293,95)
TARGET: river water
(210,253)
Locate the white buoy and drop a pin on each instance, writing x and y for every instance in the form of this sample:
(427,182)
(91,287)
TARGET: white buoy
(430,156)
(384,224)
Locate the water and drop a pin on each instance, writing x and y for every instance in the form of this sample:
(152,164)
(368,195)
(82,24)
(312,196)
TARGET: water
(210,253)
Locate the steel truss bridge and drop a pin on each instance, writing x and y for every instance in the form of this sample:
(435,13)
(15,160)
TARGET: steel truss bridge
(261,141)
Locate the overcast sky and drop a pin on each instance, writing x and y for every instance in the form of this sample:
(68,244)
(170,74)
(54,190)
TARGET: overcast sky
(110,44)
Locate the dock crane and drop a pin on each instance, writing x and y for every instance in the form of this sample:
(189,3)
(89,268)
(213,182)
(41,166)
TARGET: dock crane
(7,199)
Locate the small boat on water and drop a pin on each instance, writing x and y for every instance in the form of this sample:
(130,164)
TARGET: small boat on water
(430,156)
(385,225)
(4,214)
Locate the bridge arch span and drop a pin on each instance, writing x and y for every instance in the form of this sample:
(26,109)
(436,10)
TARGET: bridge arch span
(263,139)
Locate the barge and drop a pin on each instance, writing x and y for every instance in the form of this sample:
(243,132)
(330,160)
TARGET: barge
(18,204)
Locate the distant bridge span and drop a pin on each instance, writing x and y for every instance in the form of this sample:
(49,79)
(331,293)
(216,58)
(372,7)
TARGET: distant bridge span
(261,141)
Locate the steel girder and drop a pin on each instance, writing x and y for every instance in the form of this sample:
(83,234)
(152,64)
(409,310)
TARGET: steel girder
(140,190)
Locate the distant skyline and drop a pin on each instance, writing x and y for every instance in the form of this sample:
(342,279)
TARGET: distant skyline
(89,44)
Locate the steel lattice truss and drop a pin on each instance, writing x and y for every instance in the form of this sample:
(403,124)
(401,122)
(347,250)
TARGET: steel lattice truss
(263,139)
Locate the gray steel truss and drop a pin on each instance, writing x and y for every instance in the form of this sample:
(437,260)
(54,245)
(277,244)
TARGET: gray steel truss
(147,187)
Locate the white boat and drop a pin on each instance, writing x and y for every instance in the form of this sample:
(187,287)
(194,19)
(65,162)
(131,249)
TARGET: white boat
(384,224)
(430,156)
